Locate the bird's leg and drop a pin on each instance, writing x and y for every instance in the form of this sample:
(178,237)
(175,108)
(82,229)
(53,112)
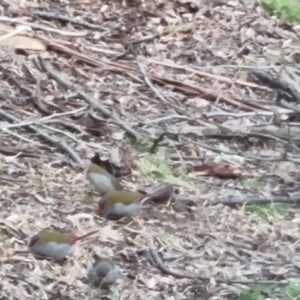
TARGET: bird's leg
(61,262)
(135,220)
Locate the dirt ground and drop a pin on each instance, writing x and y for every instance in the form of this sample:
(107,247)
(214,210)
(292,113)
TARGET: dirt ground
(84,77)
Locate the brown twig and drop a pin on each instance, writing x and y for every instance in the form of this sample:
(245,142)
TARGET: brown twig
(150,84)
(223,245)
(56,143)
(246,114)
(155,90)
(219,78)
(43,119)
(186,199)
(128,46)
(278,83)
(60,17)
(180,274)
(62,80)
(156,142)
(249,158)
(42,27)
(143,39)
(287,145)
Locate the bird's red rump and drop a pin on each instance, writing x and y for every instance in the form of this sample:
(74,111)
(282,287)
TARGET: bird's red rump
(33,241)
(75,239)
(101,205)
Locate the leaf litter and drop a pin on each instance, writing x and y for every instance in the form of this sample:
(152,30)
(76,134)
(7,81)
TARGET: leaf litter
(117,72)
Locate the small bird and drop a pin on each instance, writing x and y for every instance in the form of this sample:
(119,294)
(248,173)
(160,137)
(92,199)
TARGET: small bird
(53,244)
(102,180)
(116,205)
(103,272)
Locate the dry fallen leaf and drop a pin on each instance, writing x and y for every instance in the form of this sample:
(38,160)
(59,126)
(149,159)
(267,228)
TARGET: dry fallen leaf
(14,39)
(221,170)
(198,102)
(149,282)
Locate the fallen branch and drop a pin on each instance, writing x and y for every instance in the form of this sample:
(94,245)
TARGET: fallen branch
(144,39)
(42,27)
(180,274)
(219,78)
(278,83)
(44,119)
(21,138)
(294,198)
(62,80)
(155,90)
(250,158)
(246,114)
(152,87)
(60,17)
(46,137)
